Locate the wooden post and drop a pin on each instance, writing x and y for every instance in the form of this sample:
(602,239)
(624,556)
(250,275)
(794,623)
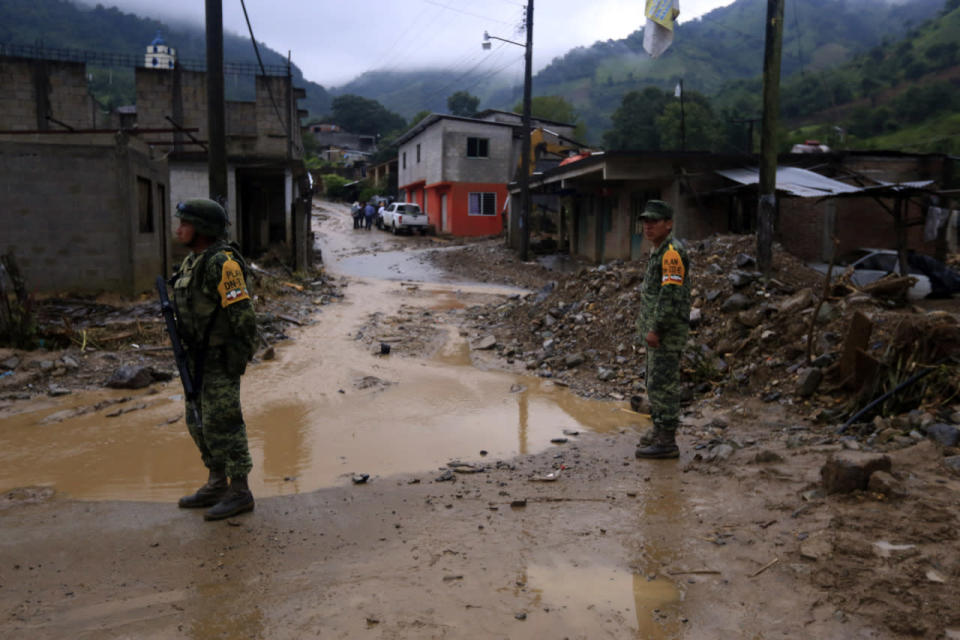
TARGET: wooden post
(767,206)
(525,147)
(216,106)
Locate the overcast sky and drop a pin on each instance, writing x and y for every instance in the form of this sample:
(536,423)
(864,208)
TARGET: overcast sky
(334,41)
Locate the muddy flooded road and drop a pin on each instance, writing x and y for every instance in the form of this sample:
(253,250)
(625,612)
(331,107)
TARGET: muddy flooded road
(326,408)
(497,504)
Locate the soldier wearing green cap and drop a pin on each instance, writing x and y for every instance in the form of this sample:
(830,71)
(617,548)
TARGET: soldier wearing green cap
(218,327)
(663,326)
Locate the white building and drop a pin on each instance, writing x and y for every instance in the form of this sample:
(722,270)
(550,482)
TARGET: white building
(159,55)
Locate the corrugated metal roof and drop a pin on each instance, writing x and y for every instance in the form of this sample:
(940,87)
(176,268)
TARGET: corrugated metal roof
(793,180)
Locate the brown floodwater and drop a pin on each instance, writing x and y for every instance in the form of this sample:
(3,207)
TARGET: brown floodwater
(325,408)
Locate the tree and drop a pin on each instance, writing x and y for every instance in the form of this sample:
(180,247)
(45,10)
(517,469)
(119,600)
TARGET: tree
(420,115)
(362,115)
(701,128)
(634,125)
(555,108)
(463,104)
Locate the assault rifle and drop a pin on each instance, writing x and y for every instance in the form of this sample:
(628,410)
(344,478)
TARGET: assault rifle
(178,353)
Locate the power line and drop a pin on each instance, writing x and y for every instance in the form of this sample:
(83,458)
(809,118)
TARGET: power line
(425,100)
(466,13)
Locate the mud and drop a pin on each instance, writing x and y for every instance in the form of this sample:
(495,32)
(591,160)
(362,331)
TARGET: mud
(742,545)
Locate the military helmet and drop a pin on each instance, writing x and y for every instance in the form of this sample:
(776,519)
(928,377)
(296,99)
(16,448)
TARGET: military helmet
(206,216)
(657,210)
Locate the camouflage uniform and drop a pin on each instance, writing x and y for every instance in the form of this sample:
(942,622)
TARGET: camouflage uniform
(214,305)
(665,310)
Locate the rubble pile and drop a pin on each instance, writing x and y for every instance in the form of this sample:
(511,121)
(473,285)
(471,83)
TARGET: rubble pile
(490,261)
(749,334)
(83,342)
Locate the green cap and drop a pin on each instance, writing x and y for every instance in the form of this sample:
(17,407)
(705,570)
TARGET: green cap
(206,215)
(657,210)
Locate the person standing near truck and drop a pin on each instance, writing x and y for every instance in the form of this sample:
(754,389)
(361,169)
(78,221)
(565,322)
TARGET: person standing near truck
(663,326)
(218,328)
(368,213)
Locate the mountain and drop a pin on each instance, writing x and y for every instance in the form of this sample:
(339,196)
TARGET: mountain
(61,24)
(724,45)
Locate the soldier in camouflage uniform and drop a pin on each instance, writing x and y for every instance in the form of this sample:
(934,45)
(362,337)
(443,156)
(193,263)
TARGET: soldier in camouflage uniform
(217,325)
(663,326)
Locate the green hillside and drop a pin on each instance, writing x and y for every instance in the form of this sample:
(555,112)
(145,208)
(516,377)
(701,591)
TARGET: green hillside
(904,95)
(64,25)
(708,53)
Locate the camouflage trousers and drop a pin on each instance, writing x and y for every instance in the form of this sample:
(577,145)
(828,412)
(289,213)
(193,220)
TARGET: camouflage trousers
(222,438)
(663,386)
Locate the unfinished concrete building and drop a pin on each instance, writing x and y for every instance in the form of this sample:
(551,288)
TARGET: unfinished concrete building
(106,189)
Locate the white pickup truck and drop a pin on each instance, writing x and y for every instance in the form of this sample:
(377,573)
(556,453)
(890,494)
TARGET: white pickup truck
(404,216)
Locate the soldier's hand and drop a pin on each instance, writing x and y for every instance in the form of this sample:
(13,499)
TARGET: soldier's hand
(653,340)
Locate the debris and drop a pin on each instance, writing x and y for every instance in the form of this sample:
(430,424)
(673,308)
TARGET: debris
(546,477)
(133,377)
(485,343)
(764,567)
(886,549)
(360,478)
(849,471)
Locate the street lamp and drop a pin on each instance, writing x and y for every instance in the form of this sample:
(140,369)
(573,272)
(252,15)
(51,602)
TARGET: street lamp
(524,217)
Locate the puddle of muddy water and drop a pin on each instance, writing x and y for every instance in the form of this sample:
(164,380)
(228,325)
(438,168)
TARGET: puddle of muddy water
(304,440)
(585,591)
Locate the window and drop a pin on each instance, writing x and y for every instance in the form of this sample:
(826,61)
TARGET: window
(404,159)
(418,154)
(145,204)
(482,204)
(478,147)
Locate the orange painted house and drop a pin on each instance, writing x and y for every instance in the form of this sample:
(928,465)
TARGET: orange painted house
(457,169)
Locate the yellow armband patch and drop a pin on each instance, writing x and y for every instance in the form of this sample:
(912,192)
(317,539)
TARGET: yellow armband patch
(232,287)
(672,268)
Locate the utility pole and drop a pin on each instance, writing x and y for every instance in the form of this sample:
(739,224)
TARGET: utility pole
(767,205)
(521,221)
(216,109)
(525,160)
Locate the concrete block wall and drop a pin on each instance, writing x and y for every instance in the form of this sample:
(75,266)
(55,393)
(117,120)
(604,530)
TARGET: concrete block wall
(498,166)
(64,85)
(68,209)
(69,99)
(155,100)
(18,110)
(272,121)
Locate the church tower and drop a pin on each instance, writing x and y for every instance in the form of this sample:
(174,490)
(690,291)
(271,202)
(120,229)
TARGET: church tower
(159,55)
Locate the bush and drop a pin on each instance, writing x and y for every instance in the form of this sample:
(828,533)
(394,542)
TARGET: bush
(334,187)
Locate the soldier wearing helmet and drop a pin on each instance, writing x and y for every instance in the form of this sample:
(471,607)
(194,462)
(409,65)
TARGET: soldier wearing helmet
(217,325)
(662,326)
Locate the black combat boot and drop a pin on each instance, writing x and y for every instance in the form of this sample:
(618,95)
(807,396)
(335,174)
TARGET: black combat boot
(207,495)
(664,445)
(237,499)
(646,438)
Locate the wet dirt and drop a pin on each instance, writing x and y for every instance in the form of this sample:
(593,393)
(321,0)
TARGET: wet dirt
(534,539)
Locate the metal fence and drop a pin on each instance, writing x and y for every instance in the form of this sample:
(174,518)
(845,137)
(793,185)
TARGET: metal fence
(108,59)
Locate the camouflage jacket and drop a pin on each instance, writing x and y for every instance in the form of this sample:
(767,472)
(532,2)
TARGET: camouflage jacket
(665,293)
(210,290)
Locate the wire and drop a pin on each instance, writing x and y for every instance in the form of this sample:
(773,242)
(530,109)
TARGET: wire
(425,100)
(286,125)
(466,13)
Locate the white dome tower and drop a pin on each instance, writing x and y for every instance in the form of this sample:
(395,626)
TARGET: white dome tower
(159,55)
